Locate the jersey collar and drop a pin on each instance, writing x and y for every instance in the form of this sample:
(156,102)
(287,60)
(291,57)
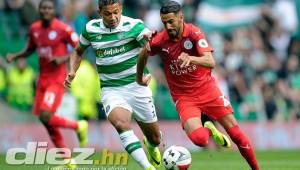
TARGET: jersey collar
(117,29)
(185,30)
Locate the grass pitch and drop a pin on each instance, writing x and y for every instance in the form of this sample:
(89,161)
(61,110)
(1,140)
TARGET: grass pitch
(204,160)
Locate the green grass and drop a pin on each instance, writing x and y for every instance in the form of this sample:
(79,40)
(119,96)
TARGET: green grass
(205,160)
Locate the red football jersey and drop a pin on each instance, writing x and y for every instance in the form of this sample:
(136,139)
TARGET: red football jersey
(51,42)
(188,81)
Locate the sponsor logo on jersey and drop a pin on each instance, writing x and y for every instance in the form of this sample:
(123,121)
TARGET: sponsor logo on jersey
(121,35)
(52,35)
(99,37)
(165,50)
(188,44)
(203,43)
(177,70)
(110,52)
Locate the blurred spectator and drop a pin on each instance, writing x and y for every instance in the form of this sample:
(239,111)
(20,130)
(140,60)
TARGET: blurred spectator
(2,79)
(20,81)
(86,88)
(270,104)
(28,13)
(189,10)
(280,40)
(19,14)
(285,12)
(68,13)
(83,17)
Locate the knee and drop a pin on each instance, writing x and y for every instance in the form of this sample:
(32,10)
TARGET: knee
(121,125)
(199,137)
(45,117)
(154,138)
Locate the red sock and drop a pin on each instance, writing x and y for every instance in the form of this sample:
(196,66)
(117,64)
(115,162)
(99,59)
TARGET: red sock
(57,138)
(200,136)
(244,145)
(57,121)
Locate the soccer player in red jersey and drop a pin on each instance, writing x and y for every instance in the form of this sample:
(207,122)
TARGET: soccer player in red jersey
(188,62)
(50,37)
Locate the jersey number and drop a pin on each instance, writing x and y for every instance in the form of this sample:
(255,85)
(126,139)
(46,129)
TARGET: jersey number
(49,98)
(225,100)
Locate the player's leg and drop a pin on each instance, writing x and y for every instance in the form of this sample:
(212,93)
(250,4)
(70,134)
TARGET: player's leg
(190,116)
(239,138)
(120,118)
(152,139)
(55,136)
(50,102)
(53,132)
(119,112)
(145,115)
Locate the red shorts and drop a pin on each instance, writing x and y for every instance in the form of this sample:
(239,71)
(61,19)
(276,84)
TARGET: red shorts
(190,107)
(48,97)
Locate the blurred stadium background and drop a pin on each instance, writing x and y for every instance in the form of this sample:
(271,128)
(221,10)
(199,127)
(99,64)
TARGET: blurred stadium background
(257,49)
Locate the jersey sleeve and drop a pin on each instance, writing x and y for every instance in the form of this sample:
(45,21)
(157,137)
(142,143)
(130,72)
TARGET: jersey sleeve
(83,38)
(141,31)
(31,44)
(200,41)
(154,48)
(71,36)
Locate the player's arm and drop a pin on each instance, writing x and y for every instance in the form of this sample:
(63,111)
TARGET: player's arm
(75,59)
(71,38)
(76,55)
(203,56)
(206,60)
(59,60)
(141,64)
(30,48)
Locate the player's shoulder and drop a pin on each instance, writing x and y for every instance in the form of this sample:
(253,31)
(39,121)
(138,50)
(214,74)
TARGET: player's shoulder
(194,32)
(61,25)
(36,25)
(193,29)
(158,38)
(131,20)
(93,25)
(128,22)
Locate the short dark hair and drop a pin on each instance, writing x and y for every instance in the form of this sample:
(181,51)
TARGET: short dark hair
(170,7)
(102,3)
(42,1)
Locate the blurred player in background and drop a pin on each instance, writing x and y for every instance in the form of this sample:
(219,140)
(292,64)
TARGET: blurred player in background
(188,61)
(49,37)
(117,41)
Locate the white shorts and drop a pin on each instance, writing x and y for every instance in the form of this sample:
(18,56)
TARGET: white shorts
(133,97)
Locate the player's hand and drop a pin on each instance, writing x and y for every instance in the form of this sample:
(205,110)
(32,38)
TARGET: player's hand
(10,58)
(184,59)
(145,80)
(149,35)
(69,80)
(53,60)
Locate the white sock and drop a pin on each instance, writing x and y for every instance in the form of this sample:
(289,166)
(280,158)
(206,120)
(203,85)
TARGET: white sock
(133,146)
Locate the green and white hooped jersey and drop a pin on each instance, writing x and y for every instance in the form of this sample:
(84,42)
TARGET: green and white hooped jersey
(116,49)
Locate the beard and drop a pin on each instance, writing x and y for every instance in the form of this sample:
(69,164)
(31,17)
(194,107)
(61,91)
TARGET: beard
(172,33)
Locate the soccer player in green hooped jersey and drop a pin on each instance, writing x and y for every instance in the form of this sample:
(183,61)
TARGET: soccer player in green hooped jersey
(117,41)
